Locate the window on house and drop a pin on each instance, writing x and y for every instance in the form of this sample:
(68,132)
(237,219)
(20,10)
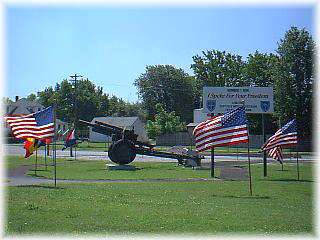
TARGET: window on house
(64,128)
(59,126)
(39,109)
(30,109)
(8,109)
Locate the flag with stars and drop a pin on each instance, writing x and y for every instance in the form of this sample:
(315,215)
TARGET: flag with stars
(222,130)
(284,137)
(39,125)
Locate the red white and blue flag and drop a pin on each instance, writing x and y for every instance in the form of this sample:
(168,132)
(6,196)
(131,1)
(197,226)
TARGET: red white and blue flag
(37,125)
(70,140)
(284,137)
(276,154)
(222,130)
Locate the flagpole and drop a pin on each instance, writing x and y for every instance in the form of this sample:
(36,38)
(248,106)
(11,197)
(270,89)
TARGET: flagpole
(54,144)
(249,163)
(250,182)
(298,163)
(264,152)
(35,168)
(212,162)
(45,155)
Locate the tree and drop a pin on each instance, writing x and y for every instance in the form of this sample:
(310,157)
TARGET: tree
(164,123)
(85,102)
(294,79)
(6,100)
(259,69)
(171,87)
(218,68)
(259,72)
(32,97)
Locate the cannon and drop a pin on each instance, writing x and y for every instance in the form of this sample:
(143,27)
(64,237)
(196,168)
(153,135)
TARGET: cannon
(125,145)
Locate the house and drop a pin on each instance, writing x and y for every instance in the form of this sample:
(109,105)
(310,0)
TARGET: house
(24,106)
(129,123)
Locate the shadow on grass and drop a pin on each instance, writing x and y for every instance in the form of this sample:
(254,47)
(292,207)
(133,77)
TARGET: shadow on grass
(40,186)
(287,180)
(40,170)
(243,197)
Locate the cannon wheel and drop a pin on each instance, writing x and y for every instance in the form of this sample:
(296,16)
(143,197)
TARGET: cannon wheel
(110,151)
(122,152)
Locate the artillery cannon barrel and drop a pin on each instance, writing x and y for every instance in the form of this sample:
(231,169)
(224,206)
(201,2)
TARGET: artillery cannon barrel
(103,129)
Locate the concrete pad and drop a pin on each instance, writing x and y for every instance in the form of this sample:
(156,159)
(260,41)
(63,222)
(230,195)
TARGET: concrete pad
(122,167)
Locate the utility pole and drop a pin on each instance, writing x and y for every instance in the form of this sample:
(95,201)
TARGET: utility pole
(74,81)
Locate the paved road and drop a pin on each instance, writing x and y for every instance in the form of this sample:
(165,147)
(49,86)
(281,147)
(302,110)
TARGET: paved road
(10,149)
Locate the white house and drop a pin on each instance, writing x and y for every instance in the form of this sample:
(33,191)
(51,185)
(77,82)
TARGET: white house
(129,123)
(23,107)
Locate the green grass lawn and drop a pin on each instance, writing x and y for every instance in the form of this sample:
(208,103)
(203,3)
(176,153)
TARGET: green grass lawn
(279,205)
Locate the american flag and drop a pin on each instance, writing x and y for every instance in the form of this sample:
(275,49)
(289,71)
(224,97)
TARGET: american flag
(38,125)
(222,130)
(276,154)
(285,136)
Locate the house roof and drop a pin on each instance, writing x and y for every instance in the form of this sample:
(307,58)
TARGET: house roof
(23,106)
(26,103)
(192,124)
(117,121)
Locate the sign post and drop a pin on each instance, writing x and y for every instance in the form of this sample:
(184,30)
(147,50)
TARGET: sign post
(256,100)
(212,162)
(264,152)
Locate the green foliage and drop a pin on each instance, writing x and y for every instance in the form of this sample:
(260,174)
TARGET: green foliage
(86,101)
(164,123)
(6,100)
(294,77)
(32,97)
(290,72)
(171,87)
(218,68)
(259,72)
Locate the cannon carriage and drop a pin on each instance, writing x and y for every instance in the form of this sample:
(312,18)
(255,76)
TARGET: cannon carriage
(125,146)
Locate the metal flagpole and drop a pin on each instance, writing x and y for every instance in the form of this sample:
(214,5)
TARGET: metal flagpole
(71,151)
(54,144)
(45,155)
(212,162)
(35,168)
(237,152)
(75,152)
(250,181)
(249,163)
(264,152)
(298,163)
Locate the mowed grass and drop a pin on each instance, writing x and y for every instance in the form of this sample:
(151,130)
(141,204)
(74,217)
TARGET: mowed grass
(280,204)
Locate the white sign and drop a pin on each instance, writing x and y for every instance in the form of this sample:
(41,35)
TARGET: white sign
(221,99)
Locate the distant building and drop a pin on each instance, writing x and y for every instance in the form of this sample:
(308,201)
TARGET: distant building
(24,106)
(128,123)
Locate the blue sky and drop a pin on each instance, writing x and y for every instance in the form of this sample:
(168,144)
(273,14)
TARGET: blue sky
(113,45)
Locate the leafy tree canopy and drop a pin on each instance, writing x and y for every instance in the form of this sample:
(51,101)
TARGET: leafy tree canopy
(170,86)
(85,102)
(165,122)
